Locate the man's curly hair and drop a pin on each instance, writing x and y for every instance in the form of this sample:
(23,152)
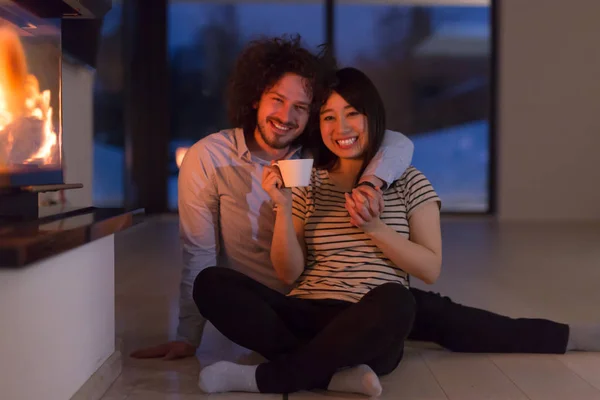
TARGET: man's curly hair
(262,63)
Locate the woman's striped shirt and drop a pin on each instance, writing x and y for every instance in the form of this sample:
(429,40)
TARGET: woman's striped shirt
(342,262)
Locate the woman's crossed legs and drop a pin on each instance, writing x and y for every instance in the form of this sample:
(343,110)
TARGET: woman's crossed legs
(305,341)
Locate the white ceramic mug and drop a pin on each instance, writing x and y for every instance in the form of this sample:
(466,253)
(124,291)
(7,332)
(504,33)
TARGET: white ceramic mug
(295,172)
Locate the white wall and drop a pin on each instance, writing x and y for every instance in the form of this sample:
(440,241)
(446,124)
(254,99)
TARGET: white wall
(549,131)
(58,322)
(78,131)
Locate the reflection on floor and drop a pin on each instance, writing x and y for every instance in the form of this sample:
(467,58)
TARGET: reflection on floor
(535,270)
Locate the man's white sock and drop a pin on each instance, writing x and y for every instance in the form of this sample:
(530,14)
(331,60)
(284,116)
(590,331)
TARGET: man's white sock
(225,376)
(584,337)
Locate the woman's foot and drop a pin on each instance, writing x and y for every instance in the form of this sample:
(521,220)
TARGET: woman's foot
(360,379)
(225,376)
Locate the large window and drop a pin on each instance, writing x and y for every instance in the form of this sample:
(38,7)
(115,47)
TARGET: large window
(431,65)
(204,40)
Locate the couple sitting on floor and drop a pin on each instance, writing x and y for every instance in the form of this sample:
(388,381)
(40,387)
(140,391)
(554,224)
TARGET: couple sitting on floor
(342,249)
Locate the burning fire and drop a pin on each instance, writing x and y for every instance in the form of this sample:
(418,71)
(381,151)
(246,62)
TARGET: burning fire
(24,110)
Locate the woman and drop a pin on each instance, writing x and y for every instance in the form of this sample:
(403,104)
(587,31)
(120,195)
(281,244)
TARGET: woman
(351,306)
(346,319)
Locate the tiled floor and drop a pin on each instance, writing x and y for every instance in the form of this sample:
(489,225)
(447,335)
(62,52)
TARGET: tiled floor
(535,270)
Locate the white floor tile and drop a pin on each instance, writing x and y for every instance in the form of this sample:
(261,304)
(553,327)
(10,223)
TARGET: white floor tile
(316,395)
(152,395)
(245,396)
(165,380)
(470,377)
(412,380)
(586,365)
(544,377)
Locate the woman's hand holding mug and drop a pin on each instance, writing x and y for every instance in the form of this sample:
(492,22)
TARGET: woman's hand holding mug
(272,183)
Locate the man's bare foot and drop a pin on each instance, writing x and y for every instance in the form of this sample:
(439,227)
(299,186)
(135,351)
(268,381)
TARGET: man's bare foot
(168,351)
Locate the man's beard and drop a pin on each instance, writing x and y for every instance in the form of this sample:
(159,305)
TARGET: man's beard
(274,142)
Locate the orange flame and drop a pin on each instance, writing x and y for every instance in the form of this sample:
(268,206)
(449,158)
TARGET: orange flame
(20,98)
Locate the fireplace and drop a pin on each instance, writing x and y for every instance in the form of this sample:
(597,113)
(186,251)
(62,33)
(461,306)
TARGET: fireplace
(33,37)
(30,125)
(60,256)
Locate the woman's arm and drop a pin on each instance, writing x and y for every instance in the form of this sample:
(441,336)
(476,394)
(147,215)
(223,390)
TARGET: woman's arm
(288,251)
(419,256)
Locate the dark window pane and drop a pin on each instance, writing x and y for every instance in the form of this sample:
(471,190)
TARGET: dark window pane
(431,66)
(109,141)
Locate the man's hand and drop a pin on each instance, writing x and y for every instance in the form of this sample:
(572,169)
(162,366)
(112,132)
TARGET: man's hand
(167,351)
(373,180)
(365,205)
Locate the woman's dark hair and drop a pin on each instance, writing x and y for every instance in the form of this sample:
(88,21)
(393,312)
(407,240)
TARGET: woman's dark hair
(359,91)
(262,63)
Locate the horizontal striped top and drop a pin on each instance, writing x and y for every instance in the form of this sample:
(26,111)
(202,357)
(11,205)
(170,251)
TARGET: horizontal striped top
(342,262)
